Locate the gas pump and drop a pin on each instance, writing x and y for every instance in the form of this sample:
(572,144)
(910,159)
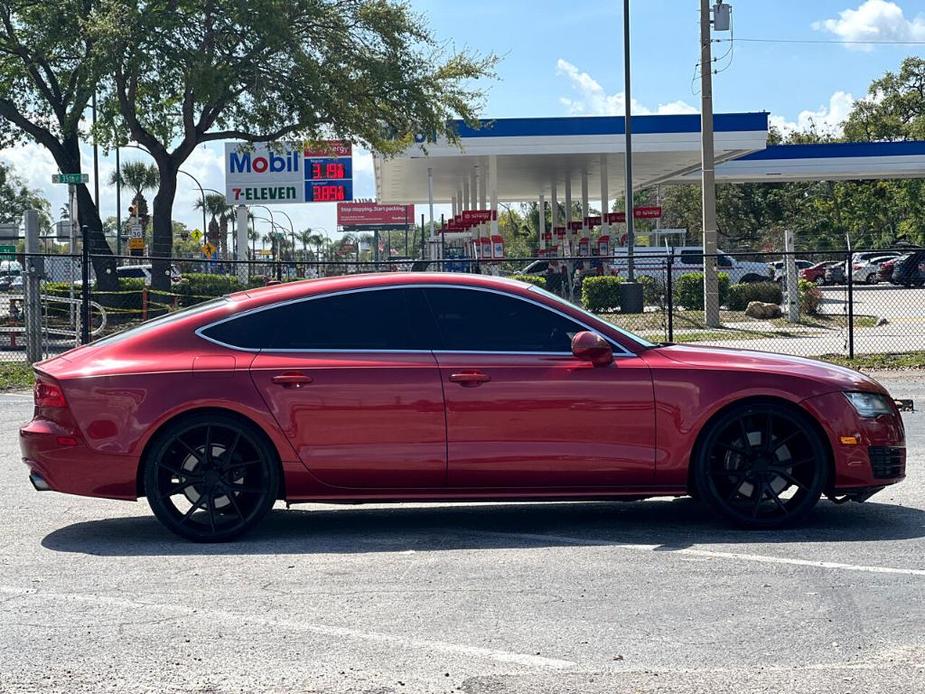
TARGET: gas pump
(497,247)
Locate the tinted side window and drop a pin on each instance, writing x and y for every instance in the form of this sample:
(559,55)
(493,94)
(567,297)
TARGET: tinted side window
(480,321)
(370,320)
(691,258)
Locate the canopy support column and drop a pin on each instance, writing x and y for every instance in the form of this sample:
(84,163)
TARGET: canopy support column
(605,194)
(541,228)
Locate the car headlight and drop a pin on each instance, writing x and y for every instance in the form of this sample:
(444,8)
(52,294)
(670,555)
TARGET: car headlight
(870,404)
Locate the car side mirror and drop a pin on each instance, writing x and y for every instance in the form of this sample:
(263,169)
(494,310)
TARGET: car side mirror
(591,347)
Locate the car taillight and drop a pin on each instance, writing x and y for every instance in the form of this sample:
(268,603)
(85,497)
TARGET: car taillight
(857,266)
(48,395)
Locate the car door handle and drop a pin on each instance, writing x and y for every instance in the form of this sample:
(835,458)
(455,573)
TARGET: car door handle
(292,380)
(470,379)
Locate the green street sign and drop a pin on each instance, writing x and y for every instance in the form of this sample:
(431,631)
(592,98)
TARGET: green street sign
(7,250)
(70,178)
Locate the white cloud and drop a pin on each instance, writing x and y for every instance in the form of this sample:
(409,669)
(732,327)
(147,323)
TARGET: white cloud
(874,20)
(826,119)
(592,100)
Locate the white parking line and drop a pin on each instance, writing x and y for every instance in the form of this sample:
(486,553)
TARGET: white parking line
(525,659)
(761,558)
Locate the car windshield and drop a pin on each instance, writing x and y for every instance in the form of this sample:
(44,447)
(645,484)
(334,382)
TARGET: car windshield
(591,317)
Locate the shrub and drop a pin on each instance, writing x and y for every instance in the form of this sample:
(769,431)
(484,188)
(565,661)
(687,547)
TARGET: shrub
(688,290)
(652,290)
(538,280)
(810,297)
(741,294)
(196,287)
(601,293)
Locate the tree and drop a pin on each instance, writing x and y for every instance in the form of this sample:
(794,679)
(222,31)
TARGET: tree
(16,198)
(137,177)
(186,72)
(220,212)
(49,68)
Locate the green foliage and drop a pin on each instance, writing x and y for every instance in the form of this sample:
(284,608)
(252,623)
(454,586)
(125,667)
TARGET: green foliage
(601,293)
(16,198)
(538,280)
(688,290)
(652,289)
(810,298)
(196,287)
(741,294)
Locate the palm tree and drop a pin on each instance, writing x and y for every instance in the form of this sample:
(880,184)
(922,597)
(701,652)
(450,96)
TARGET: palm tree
(137,177)
(306,237)
(218,210)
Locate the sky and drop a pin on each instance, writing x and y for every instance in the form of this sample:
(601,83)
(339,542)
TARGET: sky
(799,61)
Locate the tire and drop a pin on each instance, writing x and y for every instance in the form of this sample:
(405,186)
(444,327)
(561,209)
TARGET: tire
(751,279)
(761,481)
(211,477)
(819,281)
(872,278)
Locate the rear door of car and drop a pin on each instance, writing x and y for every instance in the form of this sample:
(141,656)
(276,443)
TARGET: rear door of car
(353,384)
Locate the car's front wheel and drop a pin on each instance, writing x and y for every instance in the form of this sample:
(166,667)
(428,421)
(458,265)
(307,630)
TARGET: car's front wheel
(211,477)
(761,465)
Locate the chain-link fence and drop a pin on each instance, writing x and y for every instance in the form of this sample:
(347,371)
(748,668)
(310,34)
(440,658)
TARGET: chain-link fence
(847,303)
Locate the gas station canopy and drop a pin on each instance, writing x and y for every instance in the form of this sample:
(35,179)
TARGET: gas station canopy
(533,154)
(519,159)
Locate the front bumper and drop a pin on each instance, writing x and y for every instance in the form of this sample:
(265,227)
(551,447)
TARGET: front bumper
(867,453)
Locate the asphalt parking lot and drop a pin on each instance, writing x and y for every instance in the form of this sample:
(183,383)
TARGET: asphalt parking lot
(650,596)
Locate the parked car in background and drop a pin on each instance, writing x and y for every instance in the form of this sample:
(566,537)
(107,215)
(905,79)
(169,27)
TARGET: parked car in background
(780,268)
(909,270)
(6,281)
(835,273)
(867,270)
(144,272)
(816,273)
(651,261)
(886,270)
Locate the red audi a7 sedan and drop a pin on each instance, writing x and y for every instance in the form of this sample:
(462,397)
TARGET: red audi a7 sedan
(438,387)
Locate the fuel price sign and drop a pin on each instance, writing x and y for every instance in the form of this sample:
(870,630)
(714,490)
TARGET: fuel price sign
(329,173)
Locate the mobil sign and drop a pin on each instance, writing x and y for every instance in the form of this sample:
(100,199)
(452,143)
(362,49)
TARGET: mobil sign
(288,173)
(259,174)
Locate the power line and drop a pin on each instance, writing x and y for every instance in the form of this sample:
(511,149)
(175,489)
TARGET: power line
(825,41)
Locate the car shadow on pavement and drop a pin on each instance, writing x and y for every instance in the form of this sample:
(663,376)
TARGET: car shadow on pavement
(668,525)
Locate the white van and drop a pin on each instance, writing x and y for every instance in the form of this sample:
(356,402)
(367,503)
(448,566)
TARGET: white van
(652,261)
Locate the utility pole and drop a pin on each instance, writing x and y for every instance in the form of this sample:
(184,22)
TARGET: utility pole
(708,183)
(627,118)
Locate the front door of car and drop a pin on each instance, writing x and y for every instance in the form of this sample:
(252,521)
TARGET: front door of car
(349,384)
(522,411)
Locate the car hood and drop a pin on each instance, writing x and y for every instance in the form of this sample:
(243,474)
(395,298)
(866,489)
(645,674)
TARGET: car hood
(830,376)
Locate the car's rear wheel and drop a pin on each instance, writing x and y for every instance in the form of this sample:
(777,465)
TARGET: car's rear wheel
(761,465)
(211,477)
(873,278)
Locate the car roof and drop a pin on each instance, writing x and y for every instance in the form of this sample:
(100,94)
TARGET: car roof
(325,285)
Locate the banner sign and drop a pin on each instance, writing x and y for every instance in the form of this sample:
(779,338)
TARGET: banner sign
(358,215)
(478,216)
(638,213)
(287,173)
(575,226)
(592,221)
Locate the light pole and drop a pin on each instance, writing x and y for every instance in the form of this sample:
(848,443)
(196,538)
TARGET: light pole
(202,193)
(291,230)
(708,181)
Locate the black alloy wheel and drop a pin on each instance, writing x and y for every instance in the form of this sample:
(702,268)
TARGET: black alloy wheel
(211,478)
(761,465)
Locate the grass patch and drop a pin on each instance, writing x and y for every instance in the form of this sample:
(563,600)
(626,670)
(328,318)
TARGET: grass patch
(16,376)
(908,361)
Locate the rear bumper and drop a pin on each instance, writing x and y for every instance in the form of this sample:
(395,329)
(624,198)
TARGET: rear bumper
(876,457)
(56,464)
